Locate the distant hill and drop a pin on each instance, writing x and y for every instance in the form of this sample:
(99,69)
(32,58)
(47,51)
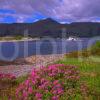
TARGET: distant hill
(50,27)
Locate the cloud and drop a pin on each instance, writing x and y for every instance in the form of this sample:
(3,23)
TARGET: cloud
(62,10)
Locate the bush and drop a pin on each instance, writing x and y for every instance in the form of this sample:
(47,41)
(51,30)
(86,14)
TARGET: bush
(55,82)
(76,54)
(6,80)
(95,49)
(18,37)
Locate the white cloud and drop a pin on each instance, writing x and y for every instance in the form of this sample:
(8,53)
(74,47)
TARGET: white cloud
(75,10)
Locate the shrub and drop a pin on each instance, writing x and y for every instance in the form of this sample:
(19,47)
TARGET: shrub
(7,76)
(54,82)
(6,80)
(95,49)
(18,37)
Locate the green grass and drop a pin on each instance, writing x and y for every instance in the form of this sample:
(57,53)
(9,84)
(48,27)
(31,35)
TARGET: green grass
(85,64)
(90,73)
(21,79)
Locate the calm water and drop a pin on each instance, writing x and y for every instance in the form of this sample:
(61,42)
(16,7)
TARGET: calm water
(12,50)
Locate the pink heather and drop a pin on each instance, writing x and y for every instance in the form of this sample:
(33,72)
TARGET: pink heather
(27,82)
(38,95)
(25,94)
(60,91)
(55,82)
(30,90)
(47,80)
(55,98)
(33,81)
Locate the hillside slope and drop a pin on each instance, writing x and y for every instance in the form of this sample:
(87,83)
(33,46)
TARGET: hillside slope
(52,28)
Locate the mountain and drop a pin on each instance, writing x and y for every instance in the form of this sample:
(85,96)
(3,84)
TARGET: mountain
(50,27)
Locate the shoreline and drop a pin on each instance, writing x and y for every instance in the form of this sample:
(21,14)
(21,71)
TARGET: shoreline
(31,63)
(23,40)
(26,40)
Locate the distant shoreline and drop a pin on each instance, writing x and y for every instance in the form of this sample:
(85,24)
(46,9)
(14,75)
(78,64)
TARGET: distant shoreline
(35,39)
(18,40)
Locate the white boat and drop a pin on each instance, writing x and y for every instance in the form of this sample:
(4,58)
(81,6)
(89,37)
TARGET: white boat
(73,39)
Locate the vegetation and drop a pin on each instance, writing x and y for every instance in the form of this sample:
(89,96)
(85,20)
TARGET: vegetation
(9,38)
(8,85)
(18,37)
(76,77)
(96,49)
(53,82)
(51,28)
(92,51)
(90,74)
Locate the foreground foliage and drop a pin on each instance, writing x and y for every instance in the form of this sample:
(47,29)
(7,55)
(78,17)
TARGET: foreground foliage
(55,82)
(90,74)
(80,83)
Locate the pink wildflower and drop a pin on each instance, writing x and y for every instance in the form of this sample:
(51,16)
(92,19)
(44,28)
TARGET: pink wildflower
(60,91)
(27,82)
(30,90)
(38,95)
(25,94)
(55,82)
(55,98)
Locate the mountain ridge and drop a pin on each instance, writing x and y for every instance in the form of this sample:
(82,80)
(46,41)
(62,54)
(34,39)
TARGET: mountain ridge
(52,28)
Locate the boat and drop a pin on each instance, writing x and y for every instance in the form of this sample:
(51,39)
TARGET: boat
(73,39)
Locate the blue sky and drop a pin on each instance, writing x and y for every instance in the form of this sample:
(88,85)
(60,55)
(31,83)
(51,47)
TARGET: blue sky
(28,11)
(9,16)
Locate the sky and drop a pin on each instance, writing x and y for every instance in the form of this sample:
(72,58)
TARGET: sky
(64,11)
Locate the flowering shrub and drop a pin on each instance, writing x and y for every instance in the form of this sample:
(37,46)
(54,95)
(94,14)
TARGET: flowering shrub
(54,82)
(7,76)
(7,80)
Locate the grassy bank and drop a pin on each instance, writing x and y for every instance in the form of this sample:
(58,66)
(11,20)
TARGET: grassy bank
(90,73)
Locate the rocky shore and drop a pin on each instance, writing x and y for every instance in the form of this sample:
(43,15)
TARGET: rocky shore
(24,66)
